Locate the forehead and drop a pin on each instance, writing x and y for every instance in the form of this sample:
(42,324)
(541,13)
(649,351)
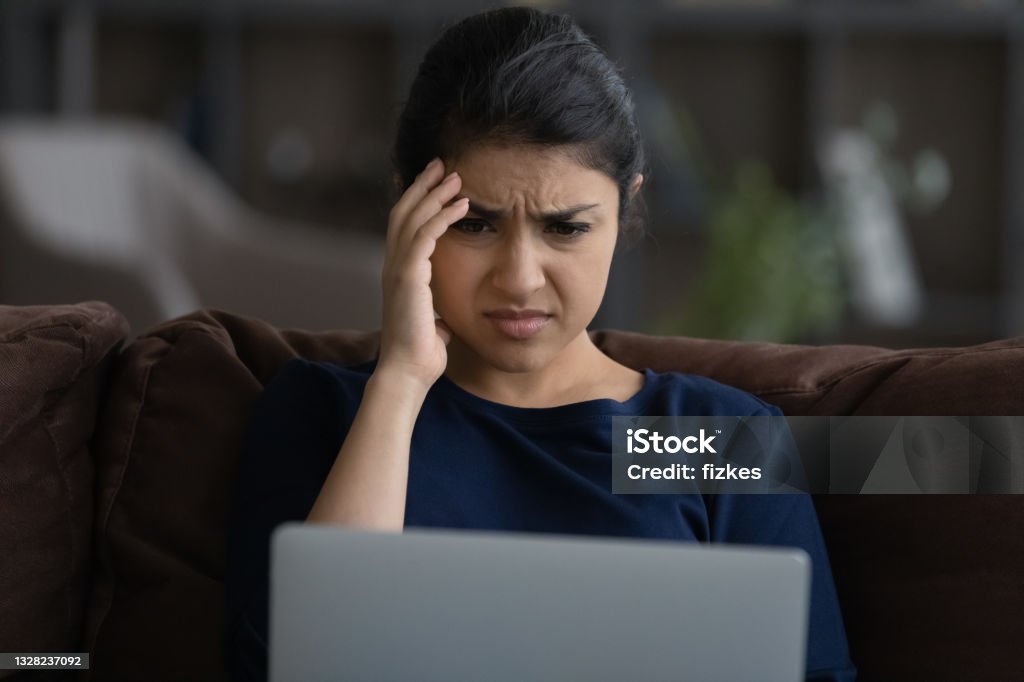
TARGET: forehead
(544,177)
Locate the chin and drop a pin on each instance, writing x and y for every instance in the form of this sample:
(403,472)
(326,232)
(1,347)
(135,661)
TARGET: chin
(511,356)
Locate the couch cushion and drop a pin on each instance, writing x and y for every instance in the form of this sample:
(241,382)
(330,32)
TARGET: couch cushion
(182,396)
(53,361)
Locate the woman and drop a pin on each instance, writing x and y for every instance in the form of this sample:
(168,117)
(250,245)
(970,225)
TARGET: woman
(488,405)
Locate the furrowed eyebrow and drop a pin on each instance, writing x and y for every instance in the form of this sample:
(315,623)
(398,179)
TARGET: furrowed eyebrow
(554,216)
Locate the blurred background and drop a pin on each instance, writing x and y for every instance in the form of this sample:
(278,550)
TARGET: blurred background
(822,171)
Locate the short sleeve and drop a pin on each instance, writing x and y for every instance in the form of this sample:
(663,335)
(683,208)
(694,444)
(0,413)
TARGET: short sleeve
(294,433)
(789,520)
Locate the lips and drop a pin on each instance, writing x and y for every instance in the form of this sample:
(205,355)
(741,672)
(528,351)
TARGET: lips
(519,324)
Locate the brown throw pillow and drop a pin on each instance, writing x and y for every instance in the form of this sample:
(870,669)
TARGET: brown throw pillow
(53,361)
(179,402)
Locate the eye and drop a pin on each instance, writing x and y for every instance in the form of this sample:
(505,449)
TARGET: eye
(470,225)
(570,230)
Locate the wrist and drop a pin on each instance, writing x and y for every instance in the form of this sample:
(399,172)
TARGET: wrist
(398,384)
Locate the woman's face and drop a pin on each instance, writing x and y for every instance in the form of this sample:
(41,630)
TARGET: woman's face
(539,235)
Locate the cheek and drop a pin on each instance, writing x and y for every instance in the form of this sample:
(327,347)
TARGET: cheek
(451,278)
(582,282)
(594,263)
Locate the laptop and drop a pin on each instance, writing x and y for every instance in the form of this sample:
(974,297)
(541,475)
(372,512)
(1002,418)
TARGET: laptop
(445,604)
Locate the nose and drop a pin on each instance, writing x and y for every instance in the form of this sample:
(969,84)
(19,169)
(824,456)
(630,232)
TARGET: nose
(517,269)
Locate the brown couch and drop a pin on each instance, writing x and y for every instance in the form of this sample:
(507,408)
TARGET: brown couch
(116,462)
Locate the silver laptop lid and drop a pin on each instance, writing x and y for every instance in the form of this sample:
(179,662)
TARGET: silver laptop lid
(432,604)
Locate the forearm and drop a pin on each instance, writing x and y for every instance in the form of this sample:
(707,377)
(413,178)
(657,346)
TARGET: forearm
(366,487)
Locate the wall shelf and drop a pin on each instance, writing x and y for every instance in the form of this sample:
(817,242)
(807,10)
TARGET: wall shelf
(808,67)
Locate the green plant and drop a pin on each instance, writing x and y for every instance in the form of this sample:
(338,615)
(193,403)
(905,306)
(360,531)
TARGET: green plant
(771,271)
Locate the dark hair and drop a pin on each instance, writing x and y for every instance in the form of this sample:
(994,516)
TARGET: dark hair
(517,75)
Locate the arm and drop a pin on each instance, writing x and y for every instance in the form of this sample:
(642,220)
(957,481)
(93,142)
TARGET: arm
(307,456)
(789,520)
(291,446)
(367,484)
(295,428)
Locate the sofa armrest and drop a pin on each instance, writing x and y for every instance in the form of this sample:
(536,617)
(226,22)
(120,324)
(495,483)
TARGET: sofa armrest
(54,361)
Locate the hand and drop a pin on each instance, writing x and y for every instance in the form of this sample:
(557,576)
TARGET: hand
(412,342)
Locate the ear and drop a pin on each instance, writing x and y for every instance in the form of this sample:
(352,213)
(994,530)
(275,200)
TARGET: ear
(635,185)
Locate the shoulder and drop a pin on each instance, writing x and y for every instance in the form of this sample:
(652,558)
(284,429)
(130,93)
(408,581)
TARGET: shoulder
(306,384)
(691,394)
(304,408)
(300,372)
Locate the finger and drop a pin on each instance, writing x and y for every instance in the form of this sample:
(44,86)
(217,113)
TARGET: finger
(422,244)
(421,185)
(427,178)
(431,205)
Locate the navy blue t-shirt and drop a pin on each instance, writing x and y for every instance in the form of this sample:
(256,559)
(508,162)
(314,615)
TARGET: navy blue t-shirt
(474,463)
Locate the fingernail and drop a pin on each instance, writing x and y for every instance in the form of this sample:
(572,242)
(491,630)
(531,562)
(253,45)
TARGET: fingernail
(451,176)
(433,163)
